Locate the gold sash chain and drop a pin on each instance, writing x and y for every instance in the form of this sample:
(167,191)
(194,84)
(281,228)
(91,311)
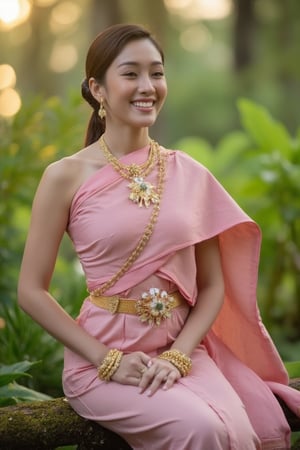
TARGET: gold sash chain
(147,233)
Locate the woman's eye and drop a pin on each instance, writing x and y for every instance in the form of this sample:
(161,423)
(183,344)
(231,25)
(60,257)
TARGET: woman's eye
(129,74)
(158,74)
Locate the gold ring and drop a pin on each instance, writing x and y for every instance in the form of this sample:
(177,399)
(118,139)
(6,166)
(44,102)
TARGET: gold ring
(143,370)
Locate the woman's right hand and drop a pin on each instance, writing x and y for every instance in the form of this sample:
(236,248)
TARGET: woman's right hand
(131,368)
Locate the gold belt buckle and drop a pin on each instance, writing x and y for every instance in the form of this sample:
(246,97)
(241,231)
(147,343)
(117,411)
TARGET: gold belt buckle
(154,306)
(114,302)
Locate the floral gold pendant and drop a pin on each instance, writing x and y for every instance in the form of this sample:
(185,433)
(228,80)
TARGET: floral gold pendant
(142,192)
(154,306)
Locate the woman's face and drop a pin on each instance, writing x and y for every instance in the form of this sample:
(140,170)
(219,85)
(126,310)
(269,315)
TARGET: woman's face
(135,87)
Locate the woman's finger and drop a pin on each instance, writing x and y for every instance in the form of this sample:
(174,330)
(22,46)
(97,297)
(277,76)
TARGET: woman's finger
(157,381)
(146,378)
(172,377)
(143,370)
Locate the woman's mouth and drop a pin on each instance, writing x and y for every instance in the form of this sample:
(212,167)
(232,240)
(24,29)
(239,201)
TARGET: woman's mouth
(143,104)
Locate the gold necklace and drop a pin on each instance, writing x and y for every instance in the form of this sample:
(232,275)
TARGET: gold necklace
(146,235)
(141,192)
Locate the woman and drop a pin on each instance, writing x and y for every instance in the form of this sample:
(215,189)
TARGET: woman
(168,350)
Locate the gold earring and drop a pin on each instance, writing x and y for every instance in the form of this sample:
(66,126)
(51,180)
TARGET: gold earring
(102,112)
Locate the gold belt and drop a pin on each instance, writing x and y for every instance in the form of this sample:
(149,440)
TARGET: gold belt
(153,307)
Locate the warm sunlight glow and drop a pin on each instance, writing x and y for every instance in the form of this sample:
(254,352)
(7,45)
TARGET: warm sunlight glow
(200,9)
(177,4)
(24,33)
(9,10)
(7,76)
(10,102)
(44,3)
(63,57)
(63,15)
(13,12)
(196,38)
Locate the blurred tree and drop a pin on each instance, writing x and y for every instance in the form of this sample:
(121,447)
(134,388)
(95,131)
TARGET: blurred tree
(35,54)
(102,14)
(152,14)
(243,29)
(252,52)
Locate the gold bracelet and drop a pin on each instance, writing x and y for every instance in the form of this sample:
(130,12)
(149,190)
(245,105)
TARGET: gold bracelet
(109,364)
(180,360)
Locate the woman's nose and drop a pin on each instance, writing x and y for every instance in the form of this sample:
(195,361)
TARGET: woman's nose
(145,84)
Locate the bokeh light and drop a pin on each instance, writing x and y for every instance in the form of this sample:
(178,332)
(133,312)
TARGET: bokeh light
(195,38)
(63,57)
(200,9)
(13,12)
(7,76)
(10,102)
(64,15)
(177,4)
(44,3)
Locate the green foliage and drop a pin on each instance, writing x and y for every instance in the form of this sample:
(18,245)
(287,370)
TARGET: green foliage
(24,339)
(260,167)
(293,368)
(12,392)
(43,131)
(268,134)
(276,179)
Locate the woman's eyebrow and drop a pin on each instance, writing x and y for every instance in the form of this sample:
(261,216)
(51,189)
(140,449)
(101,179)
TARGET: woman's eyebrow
(134,63)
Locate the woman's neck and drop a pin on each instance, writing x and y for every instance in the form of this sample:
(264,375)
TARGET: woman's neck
(121,143)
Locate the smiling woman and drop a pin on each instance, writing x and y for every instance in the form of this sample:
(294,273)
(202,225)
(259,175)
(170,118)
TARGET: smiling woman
(170,260)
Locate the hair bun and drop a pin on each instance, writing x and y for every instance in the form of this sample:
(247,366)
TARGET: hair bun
(87,95)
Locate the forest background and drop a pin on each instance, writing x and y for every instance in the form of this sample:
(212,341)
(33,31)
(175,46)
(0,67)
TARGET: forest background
(234,81)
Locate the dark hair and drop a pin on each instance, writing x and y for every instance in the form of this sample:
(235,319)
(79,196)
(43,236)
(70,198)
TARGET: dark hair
(102,52)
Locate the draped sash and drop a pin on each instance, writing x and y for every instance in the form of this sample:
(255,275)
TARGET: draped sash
(105,227)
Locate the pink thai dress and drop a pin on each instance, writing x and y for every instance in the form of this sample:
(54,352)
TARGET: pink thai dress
(227,401)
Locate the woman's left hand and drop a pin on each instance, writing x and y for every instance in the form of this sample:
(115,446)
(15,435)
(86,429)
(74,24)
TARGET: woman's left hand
(158,372)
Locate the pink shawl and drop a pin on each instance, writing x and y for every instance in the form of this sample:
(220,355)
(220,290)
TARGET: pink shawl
(105,227)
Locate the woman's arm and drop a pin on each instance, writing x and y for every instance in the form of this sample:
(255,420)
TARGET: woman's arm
(210,296)
(48,223)
(210,299)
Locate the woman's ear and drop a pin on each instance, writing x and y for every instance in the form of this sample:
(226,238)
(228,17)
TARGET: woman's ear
(96,89)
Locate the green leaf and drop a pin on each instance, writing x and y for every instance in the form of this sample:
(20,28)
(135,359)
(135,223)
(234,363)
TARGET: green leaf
(8,378)
(267,133)
(197,148)
(14,371)
(7,402)
(230,154)
(21,393)
(293,368)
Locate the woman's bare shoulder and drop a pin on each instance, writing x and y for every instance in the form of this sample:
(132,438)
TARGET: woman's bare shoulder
(70,172)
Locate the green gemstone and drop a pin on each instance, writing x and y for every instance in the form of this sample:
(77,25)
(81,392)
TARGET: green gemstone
(159,306)
(143,186)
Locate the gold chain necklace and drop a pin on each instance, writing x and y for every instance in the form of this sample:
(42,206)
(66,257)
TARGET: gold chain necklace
(141,192)
(146,235)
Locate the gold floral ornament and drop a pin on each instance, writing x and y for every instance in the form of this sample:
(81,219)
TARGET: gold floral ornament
(154,306)
(142,192)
